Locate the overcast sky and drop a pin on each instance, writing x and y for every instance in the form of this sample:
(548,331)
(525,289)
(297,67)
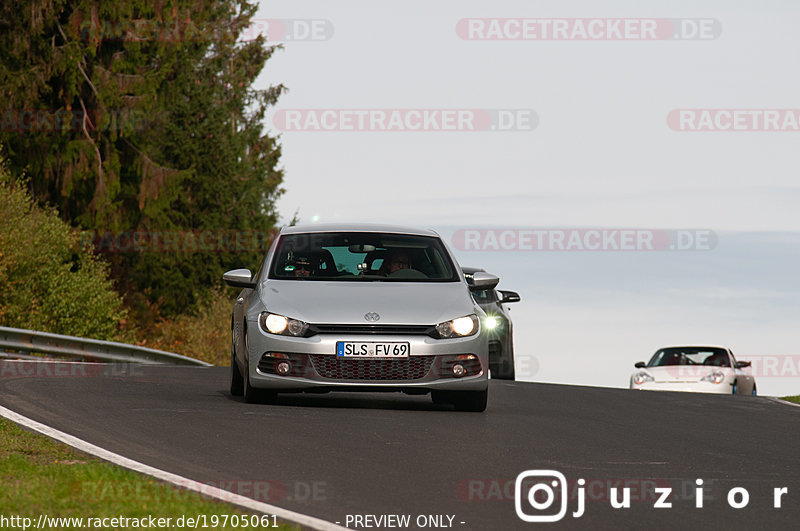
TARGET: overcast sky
(599,152)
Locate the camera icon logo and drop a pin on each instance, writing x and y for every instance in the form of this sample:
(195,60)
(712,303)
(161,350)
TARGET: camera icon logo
(534,495)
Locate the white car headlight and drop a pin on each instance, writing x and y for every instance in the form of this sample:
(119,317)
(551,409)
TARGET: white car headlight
(642,377)
(716,377)
(281,325)
(460,327)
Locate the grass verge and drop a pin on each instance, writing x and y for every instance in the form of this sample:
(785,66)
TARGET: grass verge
(41,476)
(795,399)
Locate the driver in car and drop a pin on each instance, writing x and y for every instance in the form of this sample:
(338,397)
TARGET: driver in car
(301,267)
(395,261)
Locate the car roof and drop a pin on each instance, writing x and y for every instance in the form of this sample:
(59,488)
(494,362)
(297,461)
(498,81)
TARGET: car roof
(694,347)
(356,227)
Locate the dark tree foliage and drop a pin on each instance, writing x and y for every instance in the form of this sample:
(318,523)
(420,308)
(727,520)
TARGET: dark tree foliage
(140,116)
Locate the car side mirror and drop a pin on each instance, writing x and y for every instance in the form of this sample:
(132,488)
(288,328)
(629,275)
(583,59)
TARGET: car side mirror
(509,296)
(742,364)
(481,281)
(239,278)
(640,365)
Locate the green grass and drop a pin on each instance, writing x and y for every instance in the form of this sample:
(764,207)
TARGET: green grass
(41,476)
(795,399)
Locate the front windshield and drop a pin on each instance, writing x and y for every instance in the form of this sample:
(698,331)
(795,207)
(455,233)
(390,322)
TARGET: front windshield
(716,357)
(367,256)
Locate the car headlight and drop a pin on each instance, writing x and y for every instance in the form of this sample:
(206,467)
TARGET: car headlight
(460,327)
(493,322)
(281,325)
(641,377)
(716,377)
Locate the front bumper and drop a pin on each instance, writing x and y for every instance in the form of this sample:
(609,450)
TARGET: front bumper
(315,366)
(723,388)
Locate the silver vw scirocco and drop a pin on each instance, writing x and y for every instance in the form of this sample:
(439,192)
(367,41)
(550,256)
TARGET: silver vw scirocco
(359,308)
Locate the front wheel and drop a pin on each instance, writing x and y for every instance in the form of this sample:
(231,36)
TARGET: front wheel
(470,400)
(237,382)
(506,371)
(253,395)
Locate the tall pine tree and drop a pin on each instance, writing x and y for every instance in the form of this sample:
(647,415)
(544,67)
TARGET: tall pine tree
(140,115)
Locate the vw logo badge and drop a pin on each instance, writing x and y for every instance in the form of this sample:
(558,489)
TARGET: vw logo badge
(371,316)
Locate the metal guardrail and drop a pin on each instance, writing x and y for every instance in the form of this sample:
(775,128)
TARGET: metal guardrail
(27,341)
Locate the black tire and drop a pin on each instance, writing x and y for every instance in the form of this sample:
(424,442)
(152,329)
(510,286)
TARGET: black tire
(470,400)
(506,371)
(237,382)
(253,395)
(441,397)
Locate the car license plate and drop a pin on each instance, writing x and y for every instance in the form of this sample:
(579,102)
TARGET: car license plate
(372,349)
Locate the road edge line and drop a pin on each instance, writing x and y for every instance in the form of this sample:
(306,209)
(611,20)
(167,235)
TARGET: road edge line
(781,401)
(169,477)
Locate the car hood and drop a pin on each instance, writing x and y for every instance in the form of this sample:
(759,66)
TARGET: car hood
(318,302)
(682,373)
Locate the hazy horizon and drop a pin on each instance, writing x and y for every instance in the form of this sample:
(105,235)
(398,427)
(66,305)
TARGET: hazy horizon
(602,149)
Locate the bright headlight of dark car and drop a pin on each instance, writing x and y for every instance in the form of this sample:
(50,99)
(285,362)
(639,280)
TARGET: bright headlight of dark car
(460,327)
(274,323)
(495,323)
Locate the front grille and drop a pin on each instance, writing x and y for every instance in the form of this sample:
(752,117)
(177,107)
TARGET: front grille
(333,367)
(417,330)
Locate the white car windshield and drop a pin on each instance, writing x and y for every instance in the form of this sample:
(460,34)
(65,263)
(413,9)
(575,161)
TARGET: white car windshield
(716,357)
(362,256)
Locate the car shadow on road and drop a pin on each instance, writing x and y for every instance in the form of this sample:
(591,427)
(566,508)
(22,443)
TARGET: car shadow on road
(345,400)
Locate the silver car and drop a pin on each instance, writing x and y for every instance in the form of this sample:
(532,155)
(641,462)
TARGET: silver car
(359,308)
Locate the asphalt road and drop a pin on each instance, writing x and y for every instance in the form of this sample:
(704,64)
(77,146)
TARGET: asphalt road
(336,455)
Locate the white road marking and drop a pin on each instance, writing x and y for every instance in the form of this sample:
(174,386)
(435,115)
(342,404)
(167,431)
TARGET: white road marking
(168,477)
(779,401)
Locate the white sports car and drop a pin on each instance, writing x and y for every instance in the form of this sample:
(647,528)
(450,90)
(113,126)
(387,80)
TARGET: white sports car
(695,369)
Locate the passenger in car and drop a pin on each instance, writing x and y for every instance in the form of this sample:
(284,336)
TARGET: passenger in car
(719,359)
(396,260)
